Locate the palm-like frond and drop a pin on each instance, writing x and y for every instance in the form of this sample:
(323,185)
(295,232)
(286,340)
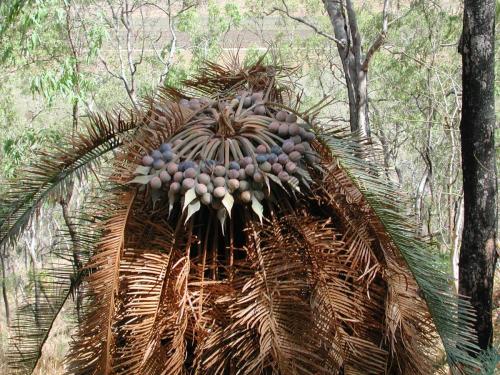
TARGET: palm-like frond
(52,173)
(53,288)
(94,350)
(452,316)
(229,248)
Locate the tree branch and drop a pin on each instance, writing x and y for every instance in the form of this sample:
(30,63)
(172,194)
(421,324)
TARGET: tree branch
(380,38)
(308,24)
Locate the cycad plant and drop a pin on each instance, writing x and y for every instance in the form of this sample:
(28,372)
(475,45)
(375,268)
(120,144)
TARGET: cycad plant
(234,234)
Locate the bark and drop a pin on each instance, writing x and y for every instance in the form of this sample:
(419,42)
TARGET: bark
(477,254)
(4,291)
(354,63)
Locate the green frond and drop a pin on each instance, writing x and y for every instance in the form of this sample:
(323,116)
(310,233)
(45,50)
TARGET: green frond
(51,175)
(58,286)
(452,315)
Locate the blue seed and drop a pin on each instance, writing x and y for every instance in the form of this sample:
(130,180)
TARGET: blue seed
(276,150)
(234,165)
(261,158)
(165,147)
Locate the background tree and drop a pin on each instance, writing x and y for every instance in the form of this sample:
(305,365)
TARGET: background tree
(478,253)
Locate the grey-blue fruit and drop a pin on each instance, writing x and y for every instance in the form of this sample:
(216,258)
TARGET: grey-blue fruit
(190,173)
(310,137)
(168,155)
(164,176)
(292,117)
(204,179)
(283,130)
(288,146)
(242,175)
(246,196)
(220,171)
(266,167)
(220,192)
(187,183)
(175,187)
(165,147)
(276,150)
(206,198)
(147,161)
(155,183)
(233,173)
(233,184)
(244,185)
(283,159)
(277,168)
(261,158)
(291,167)
(272,158)
(281,116)
(178,176)
(158,164)
(200,189)
(219,181)
(250,170)
(156,154)
(172,168)
(284,176)
(294,156)
(258,177)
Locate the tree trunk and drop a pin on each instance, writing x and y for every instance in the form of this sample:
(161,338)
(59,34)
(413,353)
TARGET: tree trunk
(4,290)
(477,254)
(346,30)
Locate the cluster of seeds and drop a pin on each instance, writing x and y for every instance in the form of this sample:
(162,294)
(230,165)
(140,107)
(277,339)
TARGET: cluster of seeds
(278,157)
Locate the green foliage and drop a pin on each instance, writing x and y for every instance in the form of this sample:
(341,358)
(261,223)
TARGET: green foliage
(19,150)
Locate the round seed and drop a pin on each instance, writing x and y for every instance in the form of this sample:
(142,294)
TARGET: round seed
(204,179)
(158,164)
(219,181)
(246,196)
(200,189)
(147,161)
(175,187)
(172,168)
(219,192)
(165,177)
(220,171)
(178,176)
(281,116)
(190,173)
(155,183)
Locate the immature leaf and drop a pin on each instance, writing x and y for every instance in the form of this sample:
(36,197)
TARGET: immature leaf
(257,208)
(228,202)
(142,170)
(275,179)
(294,183)
(192,209)
(189,197)
(143,180)
(171,201)
(222,215)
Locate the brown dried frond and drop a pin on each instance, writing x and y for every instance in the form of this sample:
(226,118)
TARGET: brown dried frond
(94,349)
